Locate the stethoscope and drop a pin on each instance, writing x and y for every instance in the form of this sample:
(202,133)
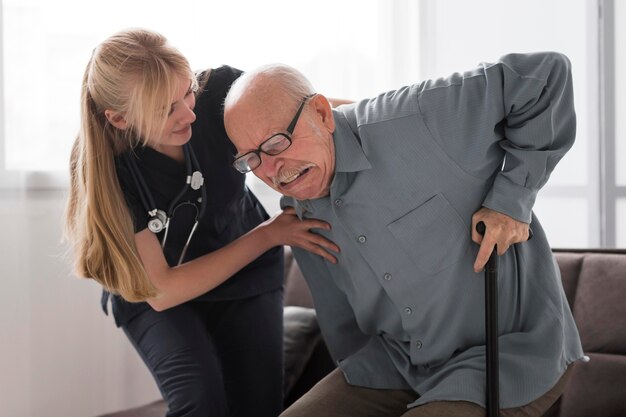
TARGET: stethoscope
(159,220)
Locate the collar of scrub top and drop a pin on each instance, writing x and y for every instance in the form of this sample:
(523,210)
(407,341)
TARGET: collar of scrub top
(194,179)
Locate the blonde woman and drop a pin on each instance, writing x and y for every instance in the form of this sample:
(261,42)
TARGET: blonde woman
(184,251)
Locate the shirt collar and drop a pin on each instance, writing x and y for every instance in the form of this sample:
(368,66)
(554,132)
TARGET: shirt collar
(349,155)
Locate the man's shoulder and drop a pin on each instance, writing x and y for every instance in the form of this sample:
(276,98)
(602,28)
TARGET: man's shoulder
(385,107)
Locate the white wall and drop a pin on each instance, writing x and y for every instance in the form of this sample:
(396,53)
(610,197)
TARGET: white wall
(60,356)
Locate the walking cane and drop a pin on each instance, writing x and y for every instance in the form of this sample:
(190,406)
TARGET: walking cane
(491,329)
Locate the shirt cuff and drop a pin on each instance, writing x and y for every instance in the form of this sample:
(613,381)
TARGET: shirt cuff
(511,199)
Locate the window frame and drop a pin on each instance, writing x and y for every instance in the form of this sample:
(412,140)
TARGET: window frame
(610,191)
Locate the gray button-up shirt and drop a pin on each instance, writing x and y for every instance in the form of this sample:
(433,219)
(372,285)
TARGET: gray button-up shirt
(403,308)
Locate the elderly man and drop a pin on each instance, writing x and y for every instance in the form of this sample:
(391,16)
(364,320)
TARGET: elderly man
(403,179)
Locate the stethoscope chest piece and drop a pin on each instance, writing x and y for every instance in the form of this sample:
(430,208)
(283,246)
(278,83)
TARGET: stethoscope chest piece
(157,221)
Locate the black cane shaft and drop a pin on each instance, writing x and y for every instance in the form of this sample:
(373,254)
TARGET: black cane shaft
(491,326)
(491,330)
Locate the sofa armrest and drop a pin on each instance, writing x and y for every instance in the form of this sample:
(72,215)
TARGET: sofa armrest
(296,290)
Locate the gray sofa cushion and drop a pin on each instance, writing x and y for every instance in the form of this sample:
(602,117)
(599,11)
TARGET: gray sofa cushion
(596,388)
(301,336)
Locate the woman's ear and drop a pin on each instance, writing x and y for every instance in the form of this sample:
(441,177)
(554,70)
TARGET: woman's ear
(324,110)
(117,119)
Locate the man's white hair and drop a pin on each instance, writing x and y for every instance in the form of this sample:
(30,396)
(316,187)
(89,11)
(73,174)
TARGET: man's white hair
(266,81)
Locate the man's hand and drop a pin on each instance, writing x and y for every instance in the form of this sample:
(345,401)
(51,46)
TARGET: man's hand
(501,230)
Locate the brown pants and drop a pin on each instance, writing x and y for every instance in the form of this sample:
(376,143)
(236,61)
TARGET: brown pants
(333,397)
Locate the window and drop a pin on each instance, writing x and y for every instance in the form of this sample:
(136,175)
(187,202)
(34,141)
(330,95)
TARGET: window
(47,45)
(580,194)
(349,49)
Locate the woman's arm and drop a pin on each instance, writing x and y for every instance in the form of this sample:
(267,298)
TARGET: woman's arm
(187,281)
(335,102)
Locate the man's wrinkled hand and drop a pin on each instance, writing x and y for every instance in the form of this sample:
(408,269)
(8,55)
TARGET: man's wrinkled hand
(501,230)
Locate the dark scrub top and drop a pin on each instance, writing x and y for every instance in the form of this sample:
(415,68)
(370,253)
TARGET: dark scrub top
(231,208)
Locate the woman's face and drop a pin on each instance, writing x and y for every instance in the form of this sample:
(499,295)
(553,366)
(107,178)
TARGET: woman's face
(180,116)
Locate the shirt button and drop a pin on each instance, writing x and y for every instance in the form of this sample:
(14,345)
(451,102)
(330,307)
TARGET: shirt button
(407,310)
(338,202)
(418,344)
(387,276)
(362,239)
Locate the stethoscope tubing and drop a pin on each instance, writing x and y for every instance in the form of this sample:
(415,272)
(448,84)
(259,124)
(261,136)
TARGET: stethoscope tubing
(147,200)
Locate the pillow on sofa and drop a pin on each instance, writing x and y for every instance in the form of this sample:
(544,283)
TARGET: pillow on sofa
(301,336)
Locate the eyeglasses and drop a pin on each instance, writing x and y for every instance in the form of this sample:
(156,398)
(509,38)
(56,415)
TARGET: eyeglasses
(272,146)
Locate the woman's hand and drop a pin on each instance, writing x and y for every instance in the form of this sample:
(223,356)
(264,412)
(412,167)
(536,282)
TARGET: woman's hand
(336,102)
(286,228)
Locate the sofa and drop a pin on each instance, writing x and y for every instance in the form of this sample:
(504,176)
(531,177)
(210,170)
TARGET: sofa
(595,286)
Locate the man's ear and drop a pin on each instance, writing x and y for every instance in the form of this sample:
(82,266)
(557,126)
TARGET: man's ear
(117,119)
(322,107)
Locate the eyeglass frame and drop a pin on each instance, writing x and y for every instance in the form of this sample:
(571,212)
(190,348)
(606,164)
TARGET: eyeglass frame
(287,134)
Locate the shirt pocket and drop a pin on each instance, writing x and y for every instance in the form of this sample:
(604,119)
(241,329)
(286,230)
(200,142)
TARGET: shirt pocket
(433,235)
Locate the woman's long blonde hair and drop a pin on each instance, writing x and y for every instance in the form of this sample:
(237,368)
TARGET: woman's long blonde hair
(134,73)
